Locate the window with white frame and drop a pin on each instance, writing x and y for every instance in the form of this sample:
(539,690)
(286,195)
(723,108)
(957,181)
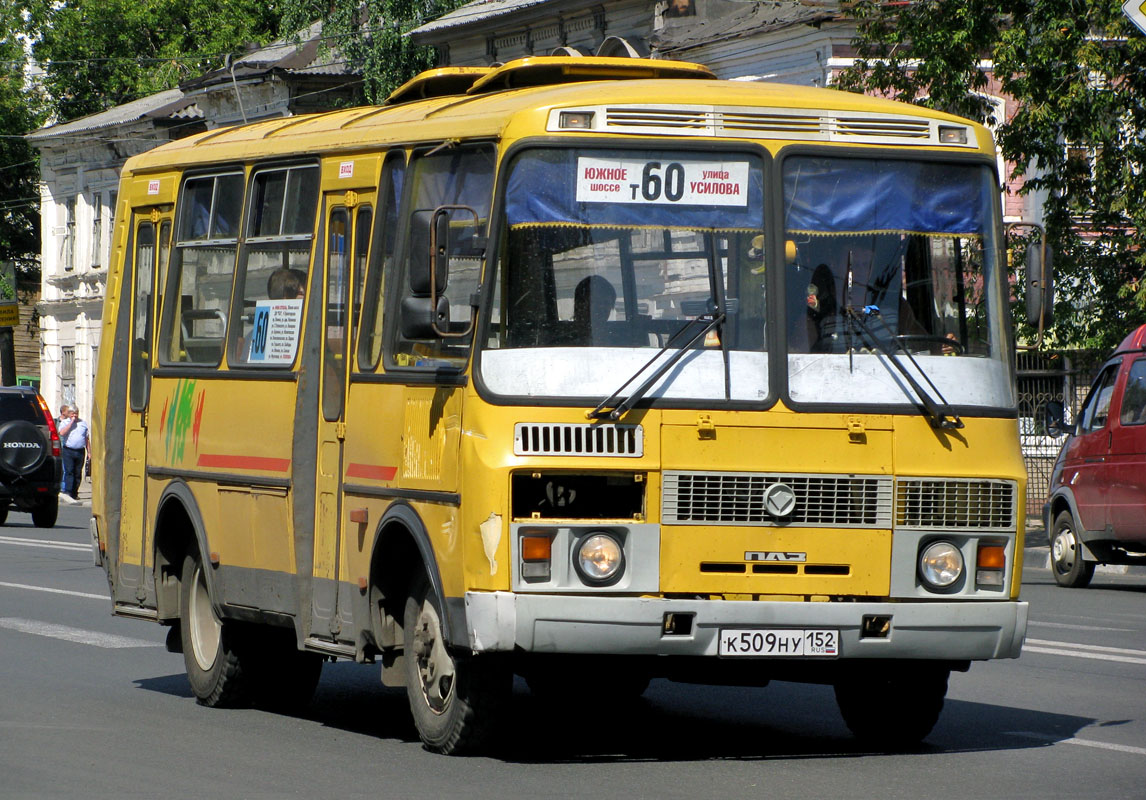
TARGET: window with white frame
(68,374)
(68,245)
(97,230)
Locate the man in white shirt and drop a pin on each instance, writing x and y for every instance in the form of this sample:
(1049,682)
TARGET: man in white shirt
(65,414)
(74,442)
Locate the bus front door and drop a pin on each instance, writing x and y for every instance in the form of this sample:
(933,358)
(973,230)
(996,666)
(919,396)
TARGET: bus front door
(151,238)
(348,222)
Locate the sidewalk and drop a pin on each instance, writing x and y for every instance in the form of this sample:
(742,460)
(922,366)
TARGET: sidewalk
(85,494)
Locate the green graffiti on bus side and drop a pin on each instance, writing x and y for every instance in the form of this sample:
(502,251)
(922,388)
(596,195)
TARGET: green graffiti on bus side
(182,413)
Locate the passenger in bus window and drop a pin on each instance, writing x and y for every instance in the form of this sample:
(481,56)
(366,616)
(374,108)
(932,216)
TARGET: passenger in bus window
(823,310)
(593,301)
(286,284)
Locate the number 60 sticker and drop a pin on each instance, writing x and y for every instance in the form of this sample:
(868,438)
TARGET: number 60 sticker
(667,182)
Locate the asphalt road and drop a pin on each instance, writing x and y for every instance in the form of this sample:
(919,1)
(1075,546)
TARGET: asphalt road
(92,706)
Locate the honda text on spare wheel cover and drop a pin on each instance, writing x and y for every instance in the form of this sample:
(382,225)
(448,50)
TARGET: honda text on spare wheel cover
(29,456)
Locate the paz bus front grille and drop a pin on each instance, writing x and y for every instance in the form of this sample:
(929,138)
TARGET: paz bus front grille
(738,498)
(955,504)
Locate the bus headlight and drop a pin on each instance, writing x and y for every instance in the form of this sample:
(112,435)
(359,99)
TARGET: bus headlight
(600,559)
(940,565)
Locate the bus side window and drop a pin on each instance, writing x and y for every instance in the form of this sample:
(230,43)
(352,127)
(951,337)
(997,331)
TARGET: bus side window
(141,315)
(461,176)
(363,221)
(202,265)
(381,261)
(274,266)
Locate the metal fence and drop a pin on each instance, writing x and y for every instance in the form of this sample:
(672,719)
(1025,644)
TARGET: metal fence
(1064,376)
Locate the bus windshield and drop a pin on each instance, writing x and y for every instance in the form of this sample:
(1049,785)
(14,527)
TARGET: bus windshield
(890,256)
(608,253)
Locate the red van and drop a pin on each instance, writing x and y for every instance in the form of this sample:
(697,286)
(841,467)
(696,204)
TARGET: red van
(1096,511)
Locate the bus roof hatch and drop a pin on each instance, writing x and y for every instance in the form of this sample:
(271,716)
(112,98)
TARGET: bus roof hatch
(439,82)
(547,70)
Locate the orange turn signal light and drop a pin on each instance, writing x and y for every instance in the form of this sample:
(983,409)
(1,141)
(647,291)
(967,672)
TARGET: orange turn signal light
(992,556)
(536,548)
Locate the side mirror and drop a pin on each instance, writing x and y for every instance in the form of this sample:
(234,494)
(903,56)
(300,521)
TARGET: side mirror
(1040,285)
(422,318)
(429,253)
(1052,419)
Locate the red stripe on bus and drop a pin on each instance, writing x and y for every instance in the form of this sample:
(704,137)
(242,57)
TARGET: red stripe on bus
(375,472)
(220,461)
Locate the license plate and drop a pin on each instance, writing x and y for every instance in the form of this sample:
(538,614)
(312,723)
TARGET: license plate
(771,642)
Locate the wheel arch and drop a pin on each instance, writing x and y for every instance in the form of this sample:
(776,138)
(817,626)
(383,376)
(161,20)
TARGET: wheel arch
(401,546)
(1062,500)
(178,530)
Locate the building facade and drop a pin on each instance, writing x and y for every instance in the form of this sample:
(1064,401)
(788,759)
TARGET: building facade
(802,42)
(80,163)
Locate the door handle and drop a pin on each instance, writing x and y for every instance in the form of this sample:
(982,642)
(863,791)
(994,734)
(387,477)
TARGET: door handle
(1097,460)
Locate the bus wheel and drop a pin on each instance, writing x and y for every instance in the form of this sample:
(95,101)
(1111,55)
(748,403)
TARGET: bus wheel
(214,667)
(455,701)
(893,707)
(1067,564)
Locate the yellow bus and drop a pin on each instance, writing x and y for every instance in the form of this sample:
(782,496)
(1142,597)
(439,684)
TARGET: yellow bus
(587,370)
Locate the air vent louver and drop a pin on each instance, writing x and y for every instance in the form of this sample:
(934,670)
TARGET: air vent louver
(577,439)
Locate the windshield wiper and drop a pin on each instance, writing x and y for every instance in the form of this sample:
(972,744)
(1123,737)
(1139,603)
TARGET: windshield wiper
(616,412)
(939,413)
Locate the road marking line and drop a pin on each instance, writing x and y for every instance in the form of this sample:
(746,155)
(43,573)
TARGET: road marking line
(1120,748)
(69,634)
(53,591)
(1078,654)
(1035,623)
(48,543)
(1088,647)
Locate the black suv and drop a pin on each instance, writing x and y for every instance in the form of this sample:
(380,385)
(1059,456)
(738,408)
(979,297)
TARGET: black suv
(30,467)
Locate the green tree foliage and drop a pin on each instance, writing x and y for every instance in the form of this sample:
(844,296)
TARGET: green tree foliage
(372,35)
(101,53)
(1077,71)
(20,111)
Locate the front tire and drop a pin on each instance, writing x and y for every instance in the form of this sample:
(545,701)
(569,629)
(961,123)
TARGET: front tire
(1069,567)
(455,701)
(214,667)
(893,707)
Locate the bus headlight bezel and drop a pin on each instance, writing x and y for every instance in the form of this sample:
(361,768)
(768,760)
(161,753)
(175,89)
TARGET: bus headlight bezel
(599,558)
(941,566)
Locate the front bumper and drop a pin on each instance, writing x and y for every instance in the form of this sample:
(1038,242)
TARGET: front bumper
(966,630)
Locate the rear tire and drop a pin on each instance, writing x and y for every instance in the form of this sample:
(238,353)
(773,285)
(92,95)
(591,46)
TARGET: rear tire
(4,514)
(456,702)
(44,515)
(210,652)
(893,707)
(1069,567)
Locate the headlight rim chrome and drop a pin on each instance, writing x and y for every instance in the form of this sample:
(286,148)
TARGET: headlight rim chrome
(586,577)
(926,569)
